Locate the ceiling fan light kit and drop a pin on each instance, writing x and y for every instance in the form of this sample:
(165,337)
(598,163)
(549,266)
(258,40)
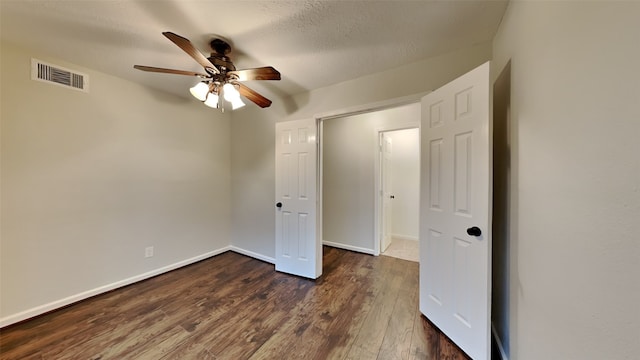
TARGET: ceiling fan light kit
(200,91)
(210,94)
(221,78)
(230,93)
(212,100)
(237,104)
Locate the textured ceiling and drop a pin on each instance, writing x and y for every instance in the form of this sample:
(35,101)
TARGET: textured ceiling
(312,43)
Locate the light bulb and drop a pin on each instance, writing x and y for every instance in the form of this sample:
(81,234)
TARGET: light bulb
(236,103)
(199,91)
(230,93)
(212,100)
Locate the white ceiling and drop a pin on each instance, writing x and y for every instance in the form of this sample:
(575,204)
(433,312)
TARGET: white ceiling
(313,43)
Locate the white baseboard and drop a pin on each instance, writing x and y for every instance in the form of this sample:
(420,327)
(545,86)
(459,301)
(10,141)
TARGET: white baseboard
(39,310)
(404,237)
(349,247)
(252,254)
(503,354)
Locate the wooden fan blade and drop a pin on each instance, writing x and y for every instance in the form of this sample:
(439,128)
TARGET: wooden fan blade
(169,71)
(250,94)
(263,73)
(188,47)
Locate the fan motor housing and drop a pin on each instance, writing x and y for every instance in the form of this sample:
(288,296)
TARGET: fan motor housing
(219,58)
(220,47)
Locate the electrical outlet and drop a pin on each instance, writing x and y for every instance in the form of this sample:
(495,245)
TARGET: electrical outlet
(148,251)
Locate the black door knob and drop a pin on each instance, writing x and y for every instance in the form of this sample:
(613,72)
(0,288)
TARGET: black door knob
(474,231)
(279,205)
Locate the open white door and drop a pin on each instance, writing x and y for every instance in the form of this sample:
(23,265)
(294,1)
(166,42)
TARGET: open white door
(455,274)
(298,249)
(387,196)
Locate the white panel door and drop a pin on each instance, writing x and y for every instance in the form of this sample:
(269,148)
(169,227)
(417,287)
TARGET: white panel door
(387,196)
(455,274)
(298,248)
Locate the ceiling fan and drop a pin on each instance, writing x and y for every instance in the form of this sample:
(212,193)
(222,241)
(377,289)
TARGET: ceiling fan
(221,79)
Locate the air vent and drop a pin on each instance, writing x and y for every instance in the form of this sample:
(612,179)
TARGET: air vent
(58,75)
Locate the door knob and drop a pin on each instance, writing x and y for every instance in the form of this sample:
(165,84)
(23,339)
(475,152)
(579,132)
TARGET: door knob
(279,205)
(474,231)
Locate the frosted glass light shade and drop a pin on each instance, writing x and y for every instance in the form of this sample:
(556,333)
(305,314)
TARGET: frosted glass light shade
(212,100)
(237,103)
(199,91)
(230,93)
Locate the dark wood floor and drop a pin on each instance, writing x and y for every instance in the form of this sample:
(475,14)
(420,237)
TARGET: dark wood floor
(234,307)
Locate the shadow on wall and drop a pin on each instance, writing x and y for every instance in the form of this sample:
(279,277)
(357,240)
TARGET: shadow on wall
(503,226)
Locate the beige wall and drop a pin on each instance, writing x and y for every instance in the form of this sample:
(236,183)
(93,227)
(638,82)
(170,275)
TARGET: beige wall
(574,246)
(253,134)
(90,180)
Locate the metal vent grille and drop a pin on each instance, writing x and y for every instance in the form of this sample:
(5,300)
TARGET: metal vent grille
(58,75)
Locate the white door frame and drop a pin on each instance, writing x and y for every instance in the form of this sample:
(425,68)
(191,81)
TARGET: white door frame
(377,233)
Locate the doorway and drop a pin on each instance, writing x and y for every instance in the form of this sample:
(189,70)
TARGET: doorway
(399,183)
(349,167)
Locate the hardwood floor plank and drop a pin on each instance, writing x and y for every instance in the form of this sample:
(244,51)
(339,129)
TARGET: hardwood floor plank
(371,335)
(234,307)
(449,350)
(173,346)
(345,329)
(261,315)
(327,306)
(397,341)
(424,341)
(124,340)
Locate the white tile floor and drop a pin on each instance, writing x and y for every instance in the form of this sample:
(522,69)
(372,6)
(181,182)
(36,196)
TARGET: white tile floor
(403,249)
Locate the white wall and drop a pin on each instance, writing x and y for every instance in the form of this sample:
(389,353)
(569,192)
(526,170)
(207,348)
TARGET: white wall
(405,181)
(253,136)
(575,248)
(90,180)
(253,178)
(349,172)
